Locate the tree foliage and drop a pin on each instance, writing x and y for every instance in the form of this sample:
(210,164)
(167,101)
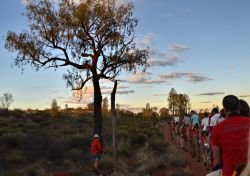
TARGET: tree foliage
(6,100)
(93,39)
(105,104)
(179,104)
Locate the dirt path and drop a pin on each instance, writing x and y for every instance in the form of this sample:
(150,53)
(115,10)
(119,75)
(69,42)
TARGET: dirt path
(193,167)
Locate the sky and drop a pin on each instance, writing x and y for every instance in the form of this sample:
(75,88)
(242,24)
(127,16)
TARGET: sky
(198,47)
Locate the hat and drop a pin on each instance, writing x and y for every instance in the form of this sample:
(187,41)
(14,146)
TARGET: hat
(96,136)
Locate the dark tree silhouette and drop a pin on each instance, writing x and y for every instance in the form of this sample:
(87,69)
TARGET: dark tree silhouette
(93,39)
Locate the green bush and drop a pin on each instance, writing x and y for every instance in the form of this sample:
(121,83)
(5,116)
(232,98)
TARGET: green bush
(74,141)
(74,155)
(13,173)
(106,162)
(35,169)
(181,174)
(12,140)
(125,150)
(15,157)
(157,144)
(138,140)
(57,150)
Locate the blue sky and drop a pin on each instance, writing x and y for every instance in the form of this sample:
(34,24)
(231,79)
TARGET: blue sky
(198,47)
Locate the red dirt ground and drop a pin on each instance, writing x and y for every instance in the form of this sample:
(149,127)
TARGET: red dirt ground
(193,167)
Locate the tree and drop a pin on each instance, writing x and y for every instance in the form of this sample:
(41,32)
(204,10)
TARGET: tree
(164,112)
(93,39)
(183,104)
(105,105)
(172,101)
(6,100)
(90,106)
(54,111)
(114,128)
(147,112)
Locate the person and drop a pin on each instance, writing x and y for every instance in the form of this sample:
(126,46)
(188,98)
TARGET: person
(186,120)
(230,138)
(96,151)
(194,118)
(215,117)
(204,124)
(204,140)
(244,108)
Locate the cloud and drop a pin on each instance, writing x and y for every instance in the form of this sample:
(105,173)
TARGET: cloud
(170,61)
(108,91)
(140,78)
(179,48)
(191,77)
(210,94)
(244,96)
(159,95)
(146,40)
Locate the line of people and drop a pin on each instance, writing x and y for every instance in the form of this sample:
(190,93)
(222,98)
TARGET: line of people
(219,139)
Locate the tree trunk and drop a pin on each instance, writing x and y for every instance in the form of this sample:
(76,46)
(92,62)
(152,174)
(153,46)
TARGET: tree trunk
(97,107)
(114,117)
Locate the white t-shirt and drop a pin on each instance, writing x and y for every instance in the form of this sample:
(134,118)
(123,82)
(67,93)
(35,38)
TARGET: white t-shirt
(214,119)
(204,123)
(176,119)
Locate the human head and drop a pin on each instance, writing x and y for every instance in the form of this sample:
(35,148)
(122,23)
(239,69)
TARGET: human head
(231,104)
(96,136)
(244,108)
(222,113)
(215,111)
(205,114)
(192,112)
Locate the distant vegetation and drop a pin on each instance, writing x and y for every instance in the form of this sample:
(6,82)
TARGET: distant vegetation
(31,145)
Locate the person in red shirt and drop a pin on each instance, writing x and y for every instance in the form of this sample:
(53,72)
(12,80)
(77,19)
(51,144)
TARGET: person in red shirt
(96,151)
(230,138)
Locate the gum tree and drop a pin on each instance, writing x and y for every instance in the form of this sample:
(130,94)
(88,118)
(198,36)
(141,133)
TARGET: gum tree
(93,39)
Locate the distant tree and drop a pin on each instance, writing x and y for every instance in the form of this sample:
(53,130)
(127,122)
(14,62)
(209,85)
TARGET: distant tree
(147,112)
(90,106)
(66,106)
(54,109)
(93,39)
(118,107)
(6,100)
(172,101)
(105,104)
(164,112)
(183,104)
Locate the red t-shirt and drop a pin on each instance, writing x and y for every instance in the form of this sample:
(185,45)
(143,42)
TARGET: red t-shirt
(96,146)
(231,136)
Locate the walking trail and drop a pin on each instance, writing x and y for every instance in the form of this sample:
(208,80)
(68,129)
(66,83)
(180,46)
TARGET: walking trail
(193,167)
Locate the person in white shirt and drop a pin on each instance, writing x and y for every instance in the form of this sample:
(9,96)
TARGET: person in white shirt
(204,122)
(215,117)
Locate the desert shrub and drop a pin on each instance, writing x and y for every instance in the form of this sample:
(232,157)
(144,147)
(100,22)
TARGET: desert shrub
(35,169)
(35,145)
(74,141)
(177,161)
(125,150)
(67,131)
(12,140)
(57,150)
(13,173)
(123,135)
(157,144)
(106,162)
(74,155)
(181,174)
(15,157)
(138,140)
(67,163)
